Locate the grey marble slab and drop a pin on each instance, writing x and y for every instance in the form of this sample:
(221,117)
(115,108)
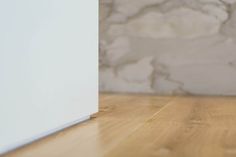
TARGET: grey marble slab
(168,46)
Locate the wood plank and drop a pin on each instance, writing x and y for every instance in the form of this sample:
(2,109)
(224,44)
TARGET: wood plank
(187,127)
(119,117)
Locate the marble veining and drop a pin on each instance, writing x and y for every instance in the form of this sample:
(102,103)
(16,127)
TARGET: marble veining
(168,46)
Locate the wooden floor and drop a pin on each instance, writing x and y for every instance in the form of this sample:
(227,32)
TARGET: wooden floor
(147,126)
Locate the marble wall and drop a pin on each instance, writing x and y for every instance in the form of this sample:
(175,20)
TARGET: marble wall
(168,46)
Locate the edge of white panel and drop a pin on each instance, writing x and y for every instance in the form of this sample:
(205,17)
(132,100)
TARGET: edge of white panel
(8,149)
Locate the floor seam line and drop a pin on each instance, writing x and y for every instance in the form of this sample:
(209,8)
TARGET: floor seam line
(144,123)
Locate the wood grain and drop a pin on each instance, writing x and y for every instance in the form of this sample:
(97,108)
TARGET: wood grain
(187,127)
(119,116)
(147,126)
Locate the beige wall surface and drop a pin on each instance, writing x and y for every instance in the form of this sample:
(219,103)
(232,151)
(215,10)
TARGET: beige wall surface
(168,46)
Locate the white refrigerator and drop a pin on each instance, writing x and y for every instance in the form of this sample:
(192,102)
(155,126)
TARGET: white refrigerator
(48,67)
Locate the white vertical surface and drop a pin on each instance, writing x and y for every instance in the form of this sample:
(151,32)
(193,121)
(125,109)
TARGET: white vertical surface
(48,66)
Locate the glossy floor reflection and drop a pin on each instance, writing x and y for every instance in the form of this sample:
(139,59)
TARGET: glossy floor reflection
(147,126)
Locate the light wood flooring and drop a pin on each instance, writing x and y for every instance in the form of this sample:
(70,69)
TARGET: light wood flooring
(147,126)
